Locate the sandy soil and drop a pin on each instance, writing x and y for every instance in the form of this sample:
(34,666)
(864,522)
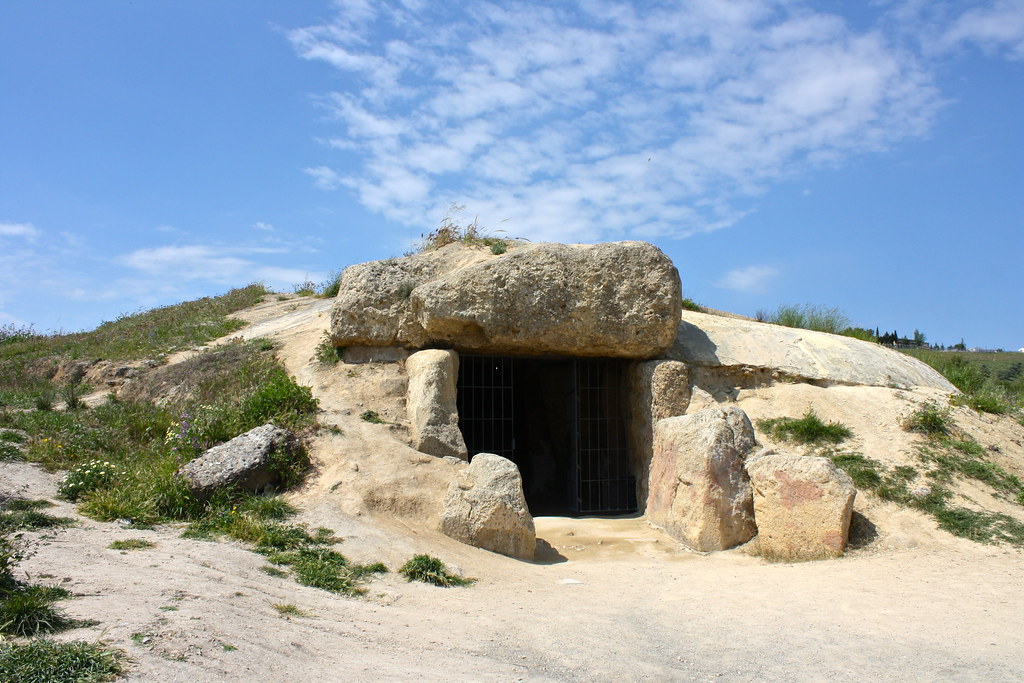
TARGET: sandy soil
(607,599)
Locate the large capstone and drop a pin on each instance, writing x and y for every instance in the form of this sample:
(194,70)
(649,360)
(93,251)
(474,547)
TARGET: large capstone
(802,506)
(485,507)
(619,299)
(699,491)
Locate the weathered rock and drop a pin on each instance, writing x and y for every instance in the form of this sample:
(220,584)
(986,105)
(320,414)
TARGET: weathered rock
(802,506)
(621,299)
(729,344)
(657,389)
(485,507)
(699,492)
(431,403)
(244,462)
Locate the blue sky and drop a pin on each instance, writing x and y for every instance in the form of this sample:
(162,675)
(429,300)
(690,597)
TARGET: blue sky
(864,155)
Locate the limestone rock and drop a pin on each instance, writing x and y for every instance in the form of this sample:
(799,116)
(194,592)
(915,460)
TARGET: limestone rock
(657,389)
(620,299)
(485,507)
(431,403)
(244,462)
(802,506)
(699,492)
(725,343)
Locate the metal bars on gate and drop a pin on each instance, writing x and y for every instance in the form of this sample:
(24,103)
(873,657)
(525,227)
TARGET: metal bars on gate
(486,404)
(603,479)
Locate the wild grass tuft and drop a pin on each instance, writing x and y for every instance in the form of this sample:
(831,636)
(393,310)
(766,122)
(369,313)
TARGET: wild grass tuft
(132,544)
(430,569)
(808,430)
(808,317)
(30,613)
(287,609)
(46,661)
(930,420)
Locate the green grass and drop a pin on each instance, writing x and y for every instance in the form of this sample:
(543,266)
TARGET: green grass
(372,417)
(691,305)
(287,609)
(431,570)
(808,430)
(29,613)
(931,420)
(132,544)
(326,352)
(44,661)
(132,337)
(943,460)
(991,382)
(808,317)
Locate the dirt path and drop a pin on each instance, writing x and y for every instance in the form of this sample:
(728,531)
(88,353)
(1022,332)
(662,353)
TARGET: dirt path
(609,599)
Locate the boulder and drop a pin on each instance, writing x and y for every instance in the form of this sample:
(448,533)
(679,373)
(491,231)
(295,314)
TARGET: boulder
(620,299)
(802,506)
(431,403)
(485,508)
(734,345)
(698,490)
(244,462)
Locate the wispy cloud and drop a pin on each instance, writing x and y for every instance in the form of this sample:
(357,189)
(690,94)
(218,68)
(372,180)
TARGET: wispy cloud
(18,230)
(263,227)
(748,279)
(603,119)
(215,264)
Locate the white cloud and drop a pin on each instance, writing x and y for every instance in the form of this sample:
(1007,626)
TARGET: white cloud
(992,27)
(18,230)
(603,119)
(215,264)
(323,177)
(749,279)
(263,227)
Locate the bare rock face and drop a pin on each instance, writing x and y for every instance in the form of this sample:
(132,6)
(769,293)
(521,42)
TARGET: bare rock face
(802,506)
(244,462)
(698,491)
(728,344)
(485,508)
(619,299)
(431,403)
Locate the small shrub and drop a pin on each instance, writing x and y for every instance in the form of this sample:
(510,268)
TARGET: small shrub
(71,393)
(984,402)
(930,420)
(326,352)
(89,476)
(331,286)
(372,417)
(808,430)
(46,661)
(45,398)
(431,570)
(404,290)
(307,288)
(498,247)
(691,305)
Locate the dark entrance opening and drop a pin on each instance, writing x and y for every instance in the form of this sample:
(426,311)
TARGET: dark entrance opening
(563,422)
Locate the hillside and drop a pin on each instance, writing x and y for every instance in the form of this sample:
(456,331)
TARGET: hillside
(607,598)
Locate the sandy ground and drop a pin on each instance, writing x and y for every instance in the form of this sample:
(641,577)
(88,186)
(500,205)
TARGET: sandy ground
(607,599)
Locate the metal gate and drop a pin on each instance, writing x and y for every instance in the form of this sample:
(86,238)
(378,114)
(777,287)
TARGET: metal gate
(602,480)
(599,478)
